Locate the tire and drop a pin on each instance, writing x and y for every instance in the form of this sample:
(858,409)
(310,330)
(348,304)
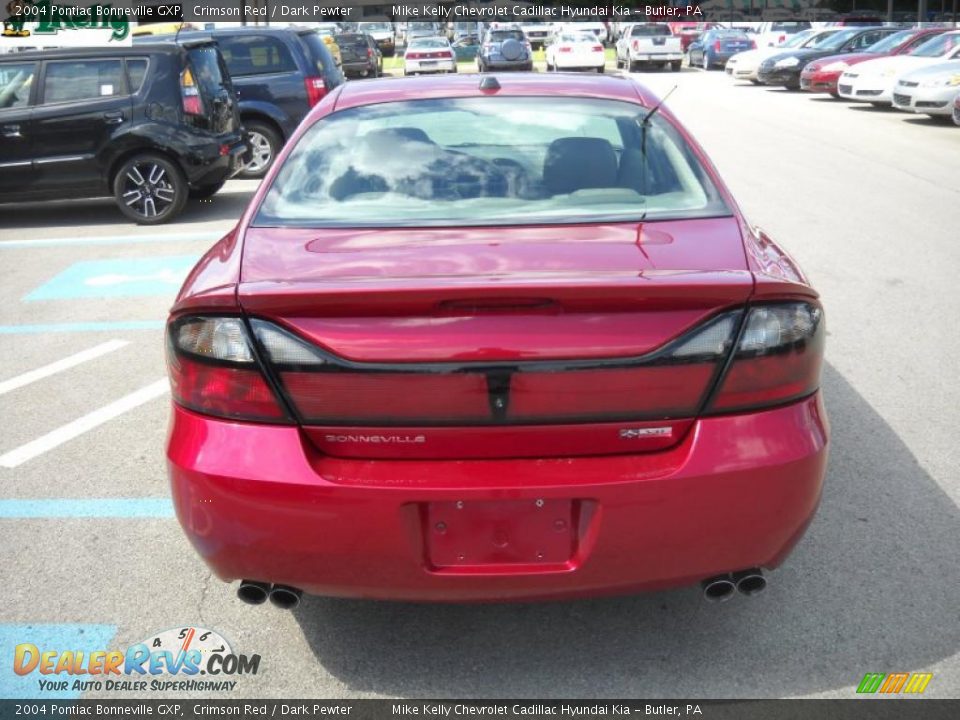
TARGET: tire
(202,192)
(631,66)
(676,65)
(705,63)
(266,144)
(602,69)
(755,82)
(150,189)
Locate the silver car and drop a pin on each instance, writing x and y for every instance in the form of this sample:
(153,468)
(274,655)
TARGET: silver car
(930,90)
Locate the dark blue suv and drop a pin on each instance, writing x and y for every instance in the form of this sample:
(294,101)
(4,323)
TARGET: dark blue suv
(279,74)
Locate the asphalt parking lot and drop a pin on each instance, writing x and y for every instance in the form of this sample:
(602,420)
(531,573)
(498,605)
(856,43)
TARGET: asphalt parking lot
(868,201)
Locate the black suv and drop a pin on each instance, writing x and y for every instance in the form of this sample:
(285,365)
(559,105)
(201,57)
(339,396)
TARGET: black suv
(279,74)
(149,125)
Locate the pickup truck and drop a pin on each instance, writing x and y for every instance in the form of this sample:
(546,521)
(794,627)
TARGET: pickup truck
(647,44)
(774,34)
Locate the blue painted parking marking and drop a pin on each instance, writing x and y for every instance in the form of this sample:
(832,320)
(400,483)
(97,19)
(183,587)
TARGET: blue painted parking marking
(85,638)
(110,326)
(111,240)
(122,508)
(122,277)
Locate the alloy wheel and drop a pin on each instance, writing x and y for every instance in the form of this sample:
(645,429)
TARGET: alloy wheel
(261,154)
(148,190)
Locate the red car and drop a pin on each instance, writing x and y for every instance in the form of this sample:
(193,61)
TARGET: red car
(483,338)
(821,76)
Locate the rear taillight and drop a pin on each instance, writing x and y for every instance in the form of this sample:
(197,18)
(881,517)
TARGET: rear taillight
(369,53)
(446,55)
(190,94)
(778,358)
(716,46)
(566,48)
(636,45)
(214,371)
(413,56)
(782,40)
(316,89)
(753,44)
(597,48)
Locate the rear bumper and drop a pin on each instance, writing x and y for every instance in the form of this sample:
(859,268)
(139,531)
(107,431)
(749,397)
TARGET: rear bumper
(499,63)
(654,56)
(213,160)
(421,66)
(738,492)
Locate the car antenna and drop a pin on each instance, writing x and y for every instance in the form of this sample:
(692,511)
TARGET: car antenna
(645,123)
(653,111)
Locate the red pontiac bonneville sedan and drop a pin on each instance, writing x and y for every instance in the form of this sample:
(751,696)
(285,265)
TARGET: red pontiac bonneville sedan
(494,337)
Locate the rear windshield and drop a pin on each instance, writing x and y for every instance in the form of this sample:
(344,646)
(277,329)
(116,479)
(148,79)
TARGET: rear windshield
(789,27)
(648,30)
(376,27)
(429,43)
(318,53)
(205,63)
(351,40)
(488,161)
(501,35)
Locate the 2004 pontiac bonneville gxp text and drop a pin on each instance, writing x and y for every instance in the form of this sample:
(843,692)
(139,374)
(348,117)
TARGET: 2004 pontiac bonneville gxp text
(489,338)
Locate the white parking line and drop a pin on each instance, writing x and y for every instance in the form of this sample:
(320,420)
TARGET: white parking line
(60,365)
(68,432)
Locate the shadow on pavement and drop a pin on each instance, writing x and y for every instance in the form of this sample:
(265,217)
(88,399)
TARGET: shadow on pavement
(226,205)
(872,587)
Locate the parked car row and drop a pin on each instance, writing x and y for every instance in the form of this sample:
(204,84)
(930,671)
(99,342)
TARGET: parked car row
(916,69)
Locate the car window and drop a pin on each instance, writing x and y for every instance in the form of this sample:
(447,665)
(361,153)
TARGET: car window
(429,43)
(136,72)
(356,41)
(255,55)
(649,30)
(889,42)
(489,161)
(71,80)
(16,80)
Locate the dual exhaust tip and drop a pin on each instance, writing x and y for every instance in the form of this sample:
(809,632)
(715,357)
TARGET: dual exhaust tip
(723,587)
(254,592)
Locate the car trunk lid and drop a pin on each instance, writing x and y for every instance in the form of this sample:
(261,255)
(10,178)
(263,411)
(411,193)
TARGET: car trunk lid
(494,342)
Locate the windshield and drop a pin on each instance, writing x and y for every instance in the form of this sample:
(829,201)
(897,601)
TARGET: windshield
(376,27)
(835,42)
(890,42)
(801,38)
(937,46)
(488,161)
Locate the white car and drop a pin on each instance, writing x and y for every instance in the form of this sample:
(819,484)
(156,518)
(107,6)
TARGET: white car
(599,30)
(776,33)
(930,90)
(873,81)
(745,65)
(429,55)
(572,50)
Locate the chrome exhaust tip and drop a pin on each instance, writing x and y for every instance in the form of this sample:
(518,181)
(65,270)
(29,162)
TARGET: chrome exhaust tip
(718,589)
(285,597)
(253,592)
(750,582)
